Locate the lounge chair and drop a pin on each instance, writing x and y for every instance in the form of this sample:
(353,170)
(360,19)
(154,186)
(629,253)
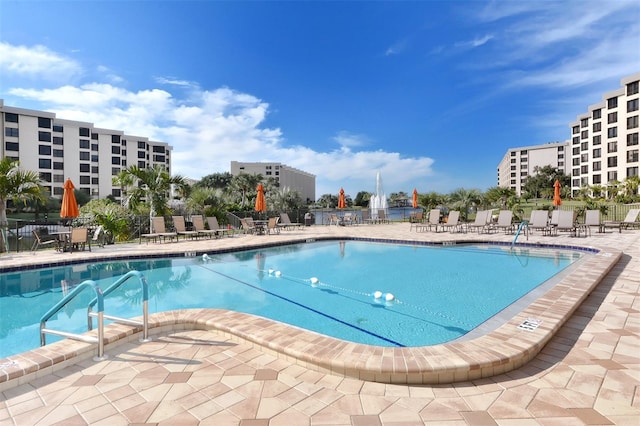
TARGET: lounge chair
(349,219)
(382,216)
(285,222)
(366,216)
(629,221)
(158,231)
(539,221)
(181,227)
(452,222)
(415,218)
(334,219)
(272,225)
(434,221)
(198,226)
(248,226)
(592,218)
(42,240)
(505,222)
(481,222)
(564,222)
(78,239)
(98,238)
(212,221)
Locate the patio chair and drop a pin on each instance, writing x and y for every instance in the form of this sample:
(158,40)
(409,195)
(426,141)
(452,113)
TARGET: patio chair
(248,226)
(42,239)
(212,221)
(382,216)
(198,226)
(366,216)
(272,225)
(629,221)
(481,222)
(592,218)
(349,219)
(78,239)
(505,222)
(98,238)
(452,222)
(415,218)
(285,222)
(181,227)
(539,221)
(433,221)
(334,219)
(565,222)
(159,231)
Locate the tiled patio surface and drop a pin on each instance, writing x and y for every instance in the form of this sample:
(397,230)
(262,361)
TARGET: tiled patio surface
(588,373)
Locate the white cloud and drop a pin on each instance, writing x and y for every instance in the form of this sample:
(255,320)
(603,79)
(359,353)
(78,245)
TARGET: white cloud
(37,62)
(476,42)
(348,139)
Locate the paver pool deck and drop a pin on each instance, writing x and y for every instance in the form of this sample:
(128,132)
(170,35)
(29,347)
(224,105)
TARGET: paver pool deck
(250,371)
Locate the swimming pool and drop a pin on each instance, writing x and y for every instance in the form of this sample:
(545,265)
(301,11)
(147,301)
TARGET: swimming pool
(439,293)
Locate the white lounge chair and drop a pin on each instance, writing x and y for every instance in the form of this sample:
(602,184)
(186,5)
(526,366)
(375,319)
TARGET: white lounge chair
(481,222)
(285,222)
(505,222)
(433,221)
(452,222)
(212,221)
(159,231)
(181,227)
(198,226)
(539,221)
(630,221)
(592,218)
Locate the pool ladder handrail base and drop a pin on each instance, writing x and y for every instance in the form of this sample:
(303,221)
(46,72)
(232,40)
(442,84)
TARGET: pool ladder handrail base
(99,300)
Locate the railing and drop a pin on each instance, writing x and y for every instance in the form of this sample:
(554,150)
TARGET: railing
(99,300)
(523,225)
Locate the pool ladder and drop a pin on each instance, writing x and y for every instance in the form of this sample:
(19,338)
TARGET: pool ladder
(98,300)
(523,225)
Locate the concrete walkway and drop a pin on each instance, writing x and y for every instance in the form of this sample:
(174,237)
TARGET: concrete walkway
(589,373)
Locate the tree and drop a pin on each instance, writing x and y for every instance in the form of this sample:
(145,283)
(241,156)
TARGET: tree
(215,180)
(124,180)
(152,186)
(499,195)
(362,199)
(244,184)
(16,185)
(328,201)
(631,184)
(463,199)
(430,200)
(540,184)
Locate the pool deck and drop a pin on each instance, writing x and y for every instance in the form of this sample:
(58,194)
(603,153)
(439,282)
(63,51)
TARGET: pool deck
(579,366)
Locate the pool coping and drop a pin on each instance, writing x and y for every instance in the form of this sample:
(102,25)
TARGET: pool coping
(504,349)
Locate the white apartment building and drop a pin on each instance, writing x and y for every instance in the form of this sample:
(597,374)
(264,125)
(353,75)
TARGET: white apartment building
(519,163)
(604,144)
(59,149)
(297,180)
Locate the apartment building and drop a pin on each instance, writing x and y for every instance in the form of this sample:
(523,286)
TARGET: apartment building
(297,180)
(604,140)
(519,163)
(59,149)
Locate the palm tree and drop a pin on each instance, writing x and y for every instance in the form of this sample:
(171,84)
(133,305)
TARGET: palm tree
(245,184)
(152,186)
(464,199)
(124,180)
(631,184)
(17,185)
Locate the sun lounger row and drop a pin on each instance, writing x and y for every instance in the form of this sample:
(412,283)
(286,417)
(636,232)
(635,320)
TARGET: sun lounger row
(159,231)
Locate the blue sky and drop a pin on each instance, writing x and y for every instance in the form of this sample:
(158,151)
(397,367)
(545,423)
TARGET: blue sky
(431,94)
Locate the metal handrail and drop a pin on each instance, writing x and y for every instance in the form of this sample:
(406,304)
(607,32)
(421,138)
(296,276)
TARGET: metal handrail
(62,303)
(145,304)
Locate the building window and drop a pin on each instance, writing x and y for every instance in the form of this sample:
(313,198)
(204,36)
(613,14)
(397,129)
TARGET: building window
(142,154)
(159,149)
(597,152)
(58,178)
(84,156)
(84,132)
(596,179)
(84,168)
(612,147)
(612,103)
(94,147)
(94,169)
(584,158)
(142,145)
(58,128)
(11,132)
(58,153)
(84,143)
(632,105)
(44,163)
(45,177)
(44,150)
(596,166)
(632,156)
(57,165)
(584,169)
(576,150)
(611,176)
(94,158)
(57,140)
(612,132)
(115,139)
(612,117)
(115,192)
(584,134)
(10,118)
(575,172)
(632,122)
(612,161)
(576,161)
(584,146)
(159,158)
(85,180)
(44,136)
(584,122)
(94,181)
(142,164)
(44,123)
(115,171)
(94,136)
(11,146)
(632,139)
(632,88)
(575,182)
(115,160)
(597,126)
(632,171)
(576,140)
(597,113)
(115,149)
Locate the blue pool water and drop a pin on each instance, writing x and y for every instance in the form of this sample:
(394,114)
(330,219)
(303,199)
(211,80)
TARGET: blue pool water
(440,293)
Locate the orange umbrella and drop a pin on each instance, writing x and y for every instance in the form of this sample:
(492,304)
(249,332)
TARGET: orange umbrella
(415,198)
(261,205)
(69,209)
(556,194)
(341,203)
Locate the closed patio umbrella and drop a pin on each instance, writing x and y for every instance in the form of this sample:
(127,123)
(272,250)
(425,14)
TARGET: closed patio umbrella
(69,209)
(415,198)
(557,200)
(341,202)
(261,205)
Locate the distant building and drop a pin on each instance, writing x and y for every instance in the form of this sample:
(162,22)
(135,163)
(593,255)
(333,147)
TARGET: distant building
(58,149)
(519,163)
(297,180)
(604,141)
